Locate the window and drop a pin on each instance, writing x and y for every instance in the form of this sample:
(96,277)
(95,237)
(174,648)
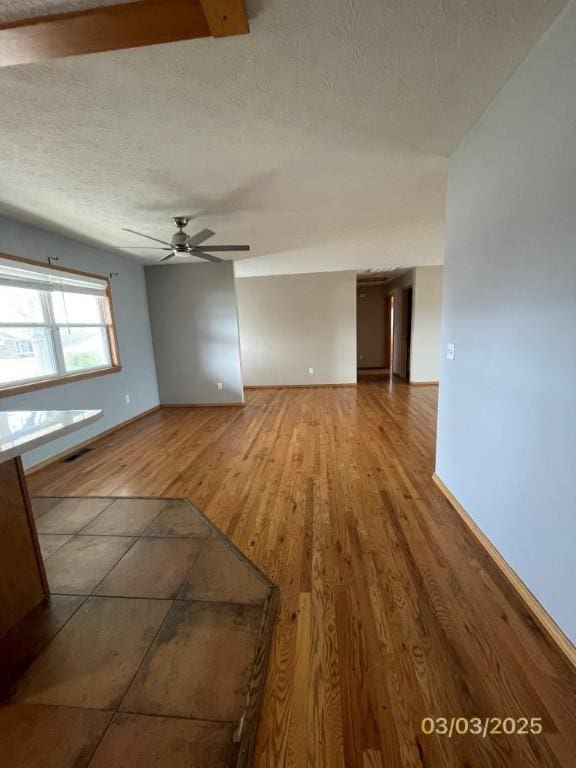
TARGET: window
(54,324)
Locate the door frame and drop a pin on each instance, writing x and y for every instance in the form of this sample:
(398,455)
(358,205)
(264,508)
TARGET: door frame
(390,323)
(406,332)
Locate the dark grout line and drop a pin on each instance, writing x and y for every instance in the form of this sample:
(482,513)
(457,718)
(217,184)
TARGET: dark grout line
(69,535)
(114,499)
(91,595)
(114,712)
(145,655)
(220,602)
(11,690)
(176,599)
(175,717)
(119,536)
(189,571)
(109,571)
(99,513)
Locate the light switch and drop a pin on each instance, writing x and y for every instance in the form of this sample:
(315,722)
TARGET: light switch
(450,352)
(310,371)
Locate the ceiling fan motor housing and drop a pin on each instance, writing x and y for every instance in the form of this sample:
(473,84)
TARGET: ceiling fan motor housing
(180,240)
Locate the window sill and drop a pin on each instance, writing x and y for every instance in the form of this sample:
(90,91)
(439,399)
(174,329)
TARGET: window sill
(20,389)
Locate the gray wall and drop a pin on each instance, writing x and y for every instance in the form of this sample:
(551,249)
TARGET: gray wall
(290,323)
(507,416)
(195,332)
(138,376)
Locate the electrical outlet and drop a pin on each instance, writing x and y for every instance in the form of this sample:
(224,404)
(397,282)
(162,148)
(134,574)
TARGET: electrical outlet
(450,352)
(127,399)
(311,371)
(220,385)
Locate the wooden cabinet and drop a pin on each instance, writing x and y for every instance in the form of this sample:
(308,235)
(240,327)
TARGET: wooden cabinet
(22,577)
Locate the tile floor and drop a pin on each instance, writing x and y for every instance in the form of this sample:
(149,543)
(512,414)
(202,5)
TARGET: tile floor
(151,650)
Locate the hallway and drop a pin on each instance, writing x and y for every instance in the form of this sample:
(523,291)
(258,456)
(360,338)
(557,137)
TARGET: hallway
(391,612)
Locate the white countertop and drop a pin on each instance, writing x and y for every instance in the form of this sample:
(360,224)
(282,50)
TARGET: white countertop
(21,431)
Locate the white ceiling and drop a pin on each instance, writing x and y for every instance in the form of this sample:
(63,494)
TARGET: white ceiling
(321,138)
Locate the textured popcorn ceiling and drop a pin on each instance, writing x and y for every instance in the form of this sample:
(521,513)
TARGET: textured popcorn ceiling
(321,138)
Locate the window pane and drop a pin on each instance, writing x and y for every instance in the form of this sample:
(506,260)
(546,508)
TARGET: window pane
(25,353)
(84,348)
(20,305)
(77,308)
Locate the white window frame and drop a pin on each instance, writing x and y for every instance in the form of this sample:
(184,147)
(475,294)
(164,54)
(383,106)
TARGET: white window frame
(61,375)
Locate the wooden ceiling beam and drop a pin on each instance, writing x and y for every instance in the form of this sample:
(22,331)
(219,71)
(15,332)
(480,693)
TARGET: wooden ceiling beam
(113,27)
(225,17)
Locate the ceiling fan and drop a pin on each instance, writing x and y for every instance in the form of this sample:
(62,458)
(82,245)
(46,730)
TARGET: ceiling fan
(185,244)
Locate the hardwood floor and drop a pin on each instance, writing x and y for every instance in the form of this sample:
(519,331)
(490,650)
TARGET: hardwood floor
(390,610)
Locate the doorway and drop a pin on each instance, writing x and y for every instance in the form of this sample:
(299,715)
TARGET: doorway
(372,328)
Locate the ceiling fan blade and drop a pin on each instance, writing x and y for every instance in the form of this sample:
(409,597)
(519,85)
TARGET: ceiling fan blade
(140,247)
(165,258)
(164,242)
(198,238)
(225,248)
(207,256)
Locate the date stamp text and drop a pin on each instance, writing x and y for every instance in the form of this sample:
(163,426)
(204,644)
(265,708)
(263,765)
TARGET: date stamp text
(482,726)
